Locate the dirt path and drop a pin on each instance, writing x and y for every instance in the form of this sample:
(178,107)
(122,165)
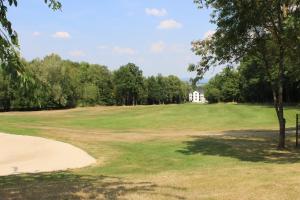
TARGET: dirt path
(26,154)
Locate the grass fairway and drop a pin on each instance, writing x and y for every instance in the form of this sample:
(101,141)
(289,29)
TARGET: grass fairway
(190,151)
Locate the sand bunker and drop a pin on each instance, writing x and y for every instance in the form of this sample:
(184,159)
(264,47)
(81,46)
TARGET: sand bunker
(26,154)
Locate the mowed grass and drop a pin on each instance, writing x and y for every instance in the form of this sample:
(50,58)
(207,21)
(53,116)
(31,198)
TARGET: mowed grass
(190,151)
(218,117)
(183,117)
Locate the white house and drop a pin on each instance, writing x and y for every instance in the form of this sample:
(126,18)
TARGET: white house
(197,96)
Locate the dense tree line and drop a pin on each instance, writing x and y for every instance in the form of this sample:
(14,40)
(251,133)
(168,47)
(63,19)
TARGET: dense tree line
(56,83)
(248,83)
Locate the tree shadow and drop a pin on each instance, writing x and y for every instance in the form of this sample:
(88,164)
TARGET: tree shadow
(67,185)
(248,145)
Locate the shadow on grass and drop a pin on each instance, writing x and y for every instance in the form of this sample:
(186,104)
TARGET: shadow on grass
(249,145)
(66,185)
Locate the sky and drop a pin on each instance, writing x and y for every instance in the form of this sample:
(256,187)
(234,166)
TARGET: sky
(154,34)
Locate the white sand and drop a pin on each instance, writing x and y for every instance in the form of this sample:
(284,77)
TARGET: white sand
(26,154)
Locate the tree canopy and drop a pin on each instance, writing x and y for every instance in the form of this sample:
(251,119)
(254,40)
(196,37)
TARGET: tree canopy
(267,30)
(247,83)
(57,83)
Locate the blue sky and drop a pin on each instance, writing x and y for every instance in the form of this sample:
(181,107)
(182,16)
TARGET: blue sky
(154,34)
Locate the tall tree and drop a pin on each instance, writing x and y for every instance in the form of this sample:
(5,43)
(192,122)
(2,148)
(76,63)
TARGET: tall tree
(252,79)
(153,90)
(224,87)
(267,30)
(97,84)
(129,84)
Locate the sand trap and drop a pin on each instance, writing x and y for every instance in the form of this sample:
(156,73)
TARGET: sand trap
(26,154)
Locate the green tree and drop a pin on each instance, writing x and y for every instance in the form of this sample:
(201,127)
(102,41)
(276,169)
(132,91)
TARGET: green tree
(162,93)
(252,79)
(153,90)
(129,84)
(212,94)
(267,30)
(224,87)
(230,85)
(56,82)
(5,91)
(98,80)
(174,91)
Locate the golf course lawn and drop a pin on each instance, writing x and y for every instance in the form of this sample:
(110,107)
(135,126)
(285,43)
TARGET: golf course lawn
(190,151)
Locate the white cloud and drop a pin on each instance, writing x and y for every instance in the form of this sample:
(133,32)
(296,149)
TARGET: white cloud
(36,34)
(77,53)
(169,24)
(156,12)
(61,35)
(158,47)
(208,34)
(124,51)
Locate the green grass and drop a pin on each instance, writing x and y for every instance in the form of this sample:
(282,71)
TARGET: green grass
(149,118)
(151,154)
(156,157)
(183,117)
(150,142)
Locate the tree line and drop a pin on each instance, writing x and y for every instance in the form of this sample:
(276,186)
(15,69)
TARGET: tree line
(248,83)
(53,83)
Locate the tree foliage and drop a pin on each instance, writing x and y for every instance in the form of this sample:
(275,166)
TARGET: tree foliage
(129,84)
(165,90)
(267,30)
(57,83)
(224,87)
(243,83)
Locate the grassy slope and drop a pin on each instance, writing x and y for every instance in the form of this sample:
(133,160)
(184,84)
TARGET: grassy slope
(152,118)
(151,142)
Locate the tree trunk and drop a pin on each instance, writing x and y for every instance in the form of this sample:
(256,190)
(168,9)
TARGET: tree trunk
(281,144)
(281,119)
(279,102)
(133,101)
(278,105)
